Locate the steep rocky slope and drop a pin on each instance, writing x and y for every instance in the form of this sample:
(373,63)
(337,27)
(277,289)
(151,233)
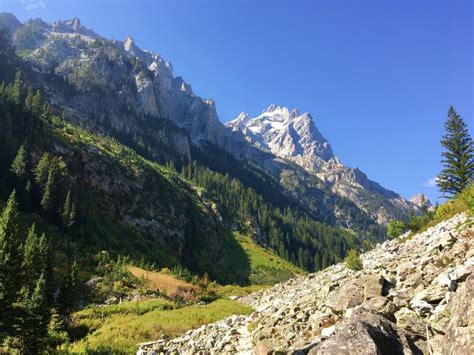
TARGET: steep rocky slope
(118,89)
(414,295)
(293,135)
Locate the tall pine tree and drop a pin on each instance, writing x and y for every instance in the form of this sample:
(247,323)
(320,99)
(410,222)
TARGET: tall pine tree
(69,211)
(458,157)
(19,166)
(34,329)
(10,264)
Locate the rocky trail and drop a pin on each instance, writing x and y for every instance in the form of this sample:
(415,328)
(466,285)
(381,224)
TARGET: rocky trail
(413,296)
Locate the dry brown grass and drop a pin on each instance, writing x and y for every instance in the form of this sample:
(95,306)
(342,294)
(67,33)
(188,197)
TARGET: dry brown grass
(165,283)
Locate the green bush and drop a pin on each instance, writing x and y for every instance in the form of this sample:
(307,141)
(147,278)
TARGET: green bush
(396,228)
(352,260)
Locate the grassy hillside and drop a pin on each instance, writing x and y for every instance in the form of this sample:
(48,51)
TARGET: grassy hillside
(120,328)
(162,281)
(266,268)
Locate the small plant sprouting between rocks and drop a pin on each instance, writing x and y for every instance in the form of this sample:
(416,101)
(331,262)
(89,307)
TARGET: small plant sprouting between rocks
(352,260)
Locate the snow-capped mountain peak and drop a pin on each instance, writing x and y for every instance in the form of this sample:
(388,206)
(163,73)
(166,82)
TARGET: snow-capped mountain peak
(288,134)
(293,136)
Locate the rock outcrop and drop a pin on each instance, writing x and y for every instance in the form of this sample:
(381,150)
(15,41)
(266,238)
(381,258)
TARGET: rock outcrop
(413,296)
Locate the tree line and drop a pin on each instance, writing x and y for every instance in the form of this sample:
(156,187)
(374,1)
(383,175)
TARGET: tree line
(289,233)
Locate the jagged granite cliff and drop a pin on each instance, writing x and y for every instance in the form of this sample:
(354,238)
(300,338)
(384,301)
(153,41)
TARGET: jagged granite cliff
(117,88)
(293,135)
(413,296)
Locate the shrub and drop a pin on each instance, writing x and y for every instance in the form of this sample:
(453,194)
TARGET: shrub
(396,228)
(352,260)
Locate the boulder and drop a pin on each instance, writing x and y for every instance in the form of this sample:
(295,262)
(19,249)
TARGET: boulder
(409,320)
(380,305)
(365,333)
(459,338)
(321,318)
(355,292)
(421,307)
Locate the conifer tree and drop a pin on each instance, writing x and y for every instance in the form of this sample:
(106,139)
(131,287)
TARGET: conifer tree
(53,190)
(37,102)
(31,255)
(10,263)
(19,166)
(69,290)
(29,100)
(36,257)
(458,157)
(17,89)
(69,211)
(47,200)
(42,169)
(34,329)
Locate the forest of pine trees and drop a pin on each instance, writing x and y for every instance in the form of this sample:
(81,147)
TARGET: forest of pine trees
(28,284)
(290,234)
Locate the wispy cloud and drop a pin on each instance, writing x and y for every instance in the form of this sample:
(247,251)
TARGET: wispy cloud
(33,4)
(431,182)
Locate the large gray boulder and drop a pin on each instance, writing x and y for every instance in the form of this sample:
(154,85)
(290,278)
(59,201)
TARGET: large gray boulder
(355,292)
(459,338)
(366,333)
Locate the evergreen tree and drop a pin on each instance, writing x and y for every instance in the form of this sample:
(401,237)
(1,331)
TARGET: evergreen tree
(53,190)
(36,257)
(19,166)
(37,103)
(69,211)
(10,263)
(34,329)
(29,100)
(31,256)
(42,169)
(47,200)
(69,290)
(458,158)
(17,89)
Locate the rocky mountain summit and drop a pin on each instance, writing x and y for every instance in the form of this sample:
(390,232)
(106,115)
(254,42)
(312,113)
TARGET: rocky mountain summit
(292,135)
(288,134)
(118,89)
(413,296)
(421,201)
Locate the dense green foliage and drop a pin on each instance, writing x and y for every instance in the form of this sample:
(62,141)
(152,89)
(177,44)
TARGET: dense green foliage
(395,228)
(290,234)
(458,157)
(352,260)
(25,283)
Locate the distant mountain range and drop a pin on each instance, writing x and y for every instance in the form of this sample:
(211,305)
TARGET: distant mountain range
(293,136)
(115,88)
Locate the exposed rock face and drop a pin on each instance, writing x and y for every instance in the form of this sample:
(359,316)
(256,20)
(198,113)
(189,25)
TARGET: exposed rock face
(293,136)
(421,201)
(285,133)
(9,22)
(413,296)
(116,88)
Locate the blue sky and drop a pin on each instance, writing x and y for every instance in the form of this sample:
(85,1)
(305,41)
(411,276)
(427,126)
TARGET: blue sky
(378,76)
